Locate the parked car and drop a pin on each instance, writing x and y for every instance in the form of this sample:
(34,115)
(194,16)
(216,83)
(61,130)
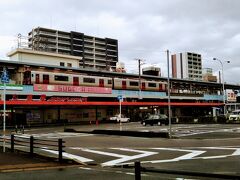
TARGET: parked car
(234,116)
(117,118)
(158,119)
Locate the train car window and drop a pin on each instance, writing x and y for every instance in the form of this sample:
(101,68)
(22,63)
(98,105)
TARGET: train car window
(62,64)
(133,83)
(89,80)
(60,78)
(152,85)
(110,81)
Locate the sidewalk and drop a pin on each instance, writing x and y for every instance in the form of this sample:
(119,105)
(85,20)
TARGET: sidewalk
(18,161)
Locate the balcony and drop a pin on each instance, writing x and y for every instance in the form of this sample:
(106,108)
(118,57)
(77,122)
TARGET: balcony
(64,48)
(88,40)
(88,57)
(87,51)
(47,33)
(64,36)
(100,53)
(100,42)
(64,42)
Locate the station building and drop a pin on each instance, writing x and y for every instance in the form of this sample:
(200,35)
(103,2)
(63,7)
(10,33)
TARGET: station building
(45,89)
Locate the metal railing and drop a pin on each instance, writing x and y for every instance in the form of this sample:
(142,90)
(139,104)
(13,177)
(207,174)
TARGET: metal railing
(31,144)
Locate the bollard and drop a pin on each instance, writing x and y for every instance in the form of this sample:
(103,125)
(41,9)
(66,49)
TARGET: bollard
(137,166)
(31,145)
(22,129)
(12,143)
(60,150)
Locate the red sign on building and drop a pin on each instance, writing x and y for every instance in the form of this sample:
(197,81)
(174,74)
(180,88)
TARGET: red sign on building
(71,89)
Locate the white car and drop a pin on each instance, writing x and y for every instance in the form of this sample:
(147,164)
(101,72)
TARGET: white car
(234,116)
(117,118)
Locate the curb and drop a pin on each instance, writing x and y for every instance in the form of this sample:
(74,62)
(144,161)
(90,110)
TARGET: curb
(149,134)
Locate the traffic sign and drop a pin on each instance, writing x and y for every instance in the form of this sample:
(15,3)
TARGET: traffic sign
(5,76)
(119,97)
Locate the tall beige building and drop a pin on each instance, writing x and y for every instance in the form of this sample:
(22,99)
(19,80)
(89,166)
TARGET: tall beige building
(208,75)
(187,66)
(96,53)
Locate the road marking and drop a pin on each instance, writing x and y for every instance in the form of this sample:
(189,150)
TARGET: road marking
(190,155)
(123,158)
(70,156)
(235,153)
(100,152)
(128,158)
(191,132)
(85,168)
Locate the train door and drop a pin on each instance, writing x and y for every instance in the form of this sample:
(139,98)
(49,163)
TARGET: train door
(124,85)
(45,79)
(101,82)
(27,77)
(143,86)
(160,87)
(76,81)
(37,81)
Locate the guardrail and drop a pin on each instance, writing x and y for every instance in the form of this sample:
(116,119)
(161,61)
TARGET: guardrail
(31,144)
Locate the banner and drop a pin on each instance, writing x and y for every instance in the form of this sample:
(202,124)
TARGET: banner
(71,89)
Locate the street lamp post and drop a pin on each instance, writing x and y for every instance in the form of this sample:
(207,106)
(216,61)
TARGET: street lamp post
(223,87)
(169,103)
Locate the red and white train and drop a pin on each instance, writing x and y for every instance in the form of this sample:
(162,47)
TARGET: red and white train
(41,77)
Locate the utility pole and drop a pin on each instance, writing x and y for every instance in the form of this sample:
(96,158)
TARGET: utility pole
(169,100)
(140,62)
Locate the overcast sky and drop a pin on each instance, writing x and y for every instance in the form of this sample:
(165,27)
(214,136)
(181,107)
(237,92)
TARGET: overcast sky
(145,29)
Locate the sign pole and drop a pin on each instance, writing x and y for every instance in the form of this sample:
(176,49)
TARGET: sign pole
(120,113)
(4,79)
(4,116)
(120,110)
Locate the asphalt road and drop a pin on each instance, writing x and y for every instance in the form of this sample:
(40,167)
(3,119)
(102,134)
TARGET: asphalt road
(210,149)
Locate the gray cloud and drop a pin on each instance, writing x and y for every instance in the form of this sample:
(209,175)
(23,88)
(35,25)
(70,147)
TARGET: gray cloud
(144,28)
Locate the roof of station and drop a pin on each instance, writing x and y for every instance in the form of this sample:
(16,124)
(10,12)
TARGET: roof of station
(11,63)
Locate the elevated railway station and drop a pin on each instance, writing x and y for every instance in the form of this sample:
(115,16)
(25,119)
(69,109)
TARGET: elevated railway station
(47,93)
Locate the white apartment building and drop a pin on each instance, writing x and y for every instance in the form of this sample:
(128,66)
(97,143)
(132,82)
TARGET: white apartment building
(187,66)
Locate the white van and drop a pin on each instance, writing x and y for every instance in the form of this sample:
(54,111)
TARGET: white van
(234,116)
(117,118)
